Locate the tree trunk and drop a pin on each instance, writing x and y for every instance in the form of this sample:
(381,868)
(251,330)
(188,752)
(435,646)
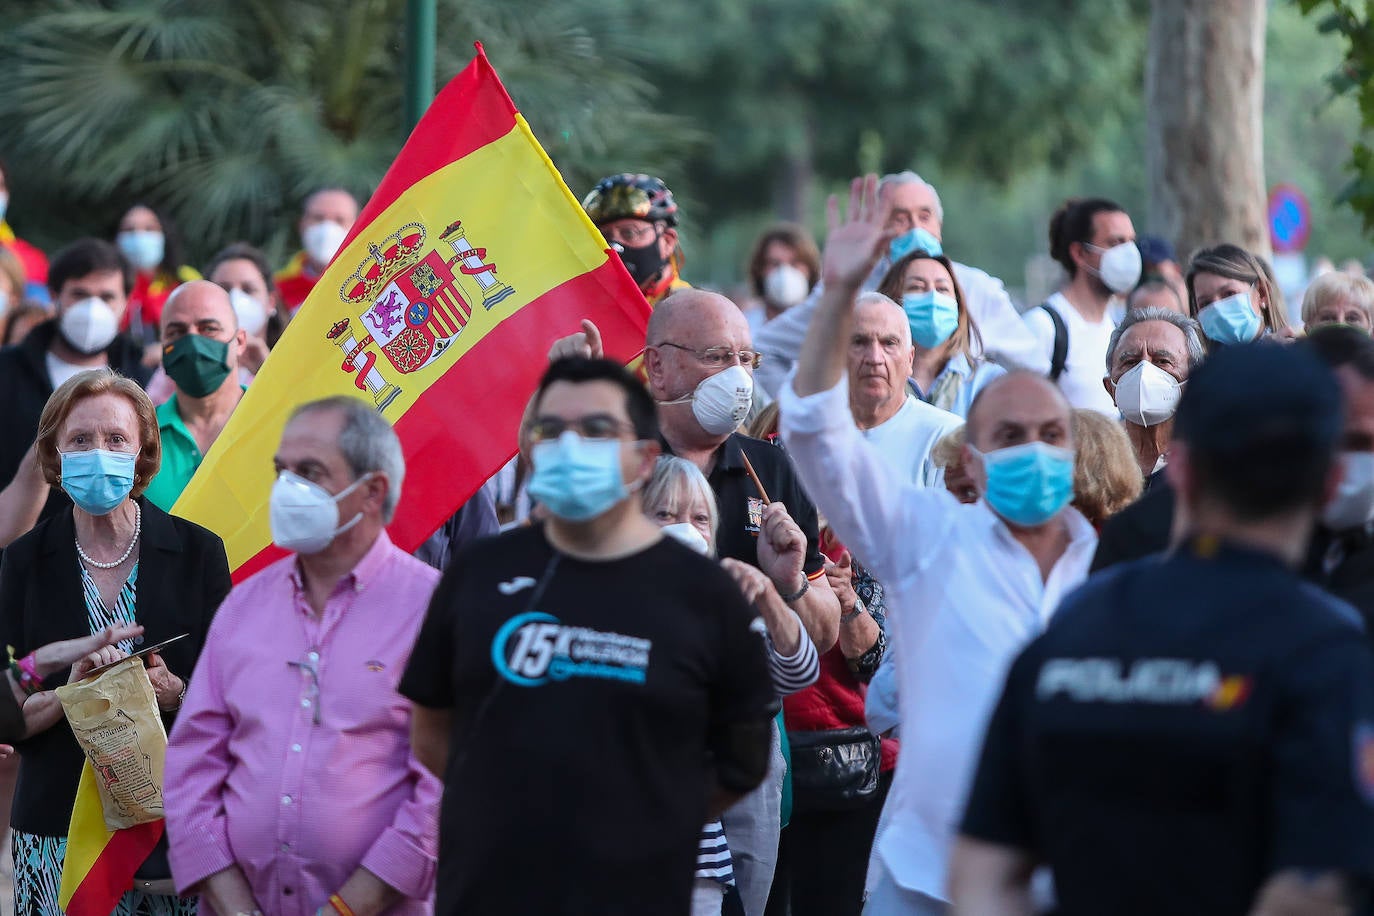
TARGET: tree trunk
(1204,93)
(795,176)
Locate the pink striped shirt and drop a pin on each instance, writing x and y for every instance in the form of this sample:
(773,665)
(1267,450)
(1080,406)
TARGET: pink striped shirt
(300,786)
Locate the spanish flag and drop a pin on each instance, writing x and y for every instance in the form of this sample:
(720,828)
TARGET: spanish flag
(439,310)
(100,863)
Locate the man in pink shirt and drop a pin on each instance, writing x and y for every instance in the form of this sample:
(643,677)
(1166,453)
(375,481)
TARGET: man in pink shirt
(290,784)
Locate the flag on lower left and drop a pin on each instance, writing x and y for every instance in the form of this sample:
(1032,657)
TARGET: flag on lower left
(100,863)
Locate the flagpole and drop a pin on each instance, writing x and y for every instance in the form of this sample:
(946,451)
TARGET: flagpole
(419,60)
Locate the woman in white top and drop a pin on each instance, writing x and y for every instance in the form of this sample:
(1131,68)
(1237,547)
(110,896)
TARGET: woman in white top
(948,371)
(1232,294)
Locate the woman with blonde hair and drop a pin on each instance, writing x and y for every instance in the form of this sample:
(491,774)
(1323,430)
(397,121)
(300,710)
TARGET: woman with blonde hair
(1339,298)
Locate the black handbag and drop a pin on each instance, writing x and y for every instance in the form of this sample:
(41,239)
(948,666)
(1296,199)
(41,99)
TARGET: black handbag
(834,770)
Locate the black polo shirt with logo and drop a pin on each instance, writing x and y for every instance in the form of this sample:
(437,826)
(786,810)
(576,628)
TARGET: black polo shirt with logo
(1186,727)
(741,507)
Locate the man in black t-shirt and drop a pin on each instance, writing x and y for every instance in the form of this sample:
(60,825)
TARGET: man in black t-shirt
(1195,733)
(589,691)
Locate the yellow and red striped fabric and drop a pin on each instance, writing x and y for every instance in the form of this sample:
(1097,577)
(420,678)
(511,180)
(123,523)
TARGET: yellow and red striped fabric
(100,864)
(439,309)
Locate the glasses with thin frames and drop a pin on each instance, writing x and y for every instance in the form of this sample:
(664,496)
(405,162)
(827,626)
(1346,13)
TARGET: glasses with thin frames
(631,235)
(592,426)
(719,357)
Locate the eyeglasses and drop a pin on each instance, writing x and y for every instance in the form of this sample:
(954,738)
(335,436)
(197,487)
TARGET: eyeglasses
(592,426)
(717,357)
(312,696)
(631,235)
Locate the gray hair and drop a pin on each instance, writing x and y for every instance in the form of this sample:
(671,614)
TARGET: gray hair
(1192,332)
(673,476)
(910,177)
(368,443)
(874,296)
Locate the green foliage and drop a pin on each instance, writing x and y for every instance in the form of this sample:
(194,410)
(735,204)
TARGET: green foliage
(230,113)
(1354,78)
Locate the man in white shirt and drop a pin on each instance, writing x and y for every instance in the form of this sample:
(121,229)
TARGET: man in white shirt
(1094,240)
(914,212)
(967,585)
(901,426)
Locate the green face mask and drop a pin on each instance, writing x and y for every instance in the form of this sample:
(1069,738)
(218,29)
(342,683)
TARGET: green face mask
(198,364)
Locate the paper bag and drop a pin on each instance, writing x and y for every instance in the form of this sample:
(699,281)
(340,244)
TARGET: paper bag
(115,719)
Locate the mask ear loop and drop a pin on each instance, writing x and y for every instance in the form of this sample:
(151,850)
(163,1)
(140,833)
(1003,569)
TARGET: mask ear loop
(344,492)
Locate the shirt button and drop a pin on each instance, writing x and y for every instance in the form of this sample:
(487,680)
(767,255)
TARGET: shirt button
(295,748)
(287,891)
(305,703)
(314,656)
(285,847)
(286,799)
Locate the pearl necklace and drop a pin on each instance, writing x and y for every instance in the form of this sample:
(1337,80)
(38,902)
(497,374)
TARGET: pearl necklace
(138,526)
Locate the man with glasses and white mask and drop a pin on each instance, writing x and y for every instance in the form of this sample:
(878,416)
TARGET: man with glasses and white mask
(587,687)
(699,363)
(967,585)
(1149,357)
(290,782)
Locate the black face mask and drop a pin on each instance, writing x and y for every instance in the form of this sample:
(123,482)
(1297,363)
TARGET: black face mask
(643,263)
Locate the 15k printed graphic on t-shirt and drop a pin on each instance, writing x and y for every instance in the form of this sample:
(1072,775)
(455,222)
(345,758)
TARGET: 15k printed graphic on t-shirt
(583,697)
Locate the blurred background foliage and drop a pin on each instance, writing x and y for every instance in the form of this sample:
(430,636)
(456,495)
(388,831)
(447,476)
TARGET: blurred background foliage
(227,114)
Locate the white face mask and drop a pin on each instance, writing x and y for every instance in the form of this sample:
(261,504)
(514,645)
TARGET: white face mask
(1353,504)
(785,286)
(1147,395)
(1119,267)
(722,401)
(4,301)
(304,516)
(88,326)
(250,312)
(687,533)
(322,241)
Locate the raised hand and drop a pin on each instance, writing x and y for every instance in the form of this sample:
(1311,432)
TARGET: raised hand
(782,549)
(856,242)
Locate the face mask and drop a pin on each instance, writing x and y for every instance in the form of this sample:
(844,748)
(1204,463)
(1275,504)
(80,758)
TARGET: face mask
(1231,320)
(785,286)
(1353,504)
(688,534)
(88,326)
(304,516)
(4,301)
(198,364)
(1119,267)
(322,241)
(143,248)
(644,263)
(4,204)
(1147,395)
(98,480)
(1028,484)
(722,401)
(251,315)
(933,316)
(917,239)
(578,479)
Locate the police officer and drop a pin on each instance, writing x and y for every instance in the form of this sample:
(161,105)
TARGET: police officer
(1194,733)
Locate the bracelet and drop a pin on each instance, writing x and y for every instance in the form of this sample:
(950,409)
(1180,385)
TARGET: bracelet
(25,673)
(858,609)
(805,587)
(339,906)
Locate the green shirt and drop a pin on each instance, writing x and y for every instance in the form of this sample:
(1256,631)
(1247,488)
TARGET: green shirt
(180,457)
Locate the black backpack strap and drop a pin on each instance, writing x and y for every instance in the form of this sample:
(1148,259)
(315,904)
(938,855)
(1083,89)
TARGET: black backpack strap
(1061,343)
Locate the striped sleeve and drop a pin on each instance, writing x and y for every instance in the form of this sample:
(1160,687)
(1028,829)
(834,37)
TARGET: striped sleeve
(798,670)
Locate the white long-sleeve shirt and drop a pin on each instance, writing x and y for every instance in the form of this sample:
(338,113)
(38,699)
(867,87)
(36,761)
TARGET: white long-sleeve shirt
(963,597)
(1006,339)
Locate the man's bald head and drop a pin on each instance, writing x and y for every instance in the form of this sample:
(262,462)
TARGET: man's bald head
(689,309)
(196,301)
(1020,407)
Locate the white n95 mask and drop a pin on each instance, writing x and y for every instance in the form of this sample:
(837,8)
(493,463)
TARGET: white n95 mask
(721,401)
(304,516)
(88,326)
(1147,395)
(687,533)
(322,241)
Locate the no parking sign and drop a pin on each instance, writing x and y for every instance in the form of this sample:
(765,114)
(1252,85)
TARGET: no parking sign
(1290,219)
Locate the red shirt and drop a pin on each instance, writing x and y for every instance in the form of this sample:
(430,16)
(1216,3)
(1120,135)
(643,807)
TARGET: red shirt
(35,262)
(295,281)
(150,295)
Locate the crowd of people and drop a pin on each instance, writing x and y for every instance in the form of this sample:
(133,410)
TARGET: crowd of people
(872,594)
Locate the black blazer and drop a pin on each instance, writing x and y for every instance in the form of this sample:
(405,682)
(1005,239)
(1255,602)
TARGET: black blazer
(183,575)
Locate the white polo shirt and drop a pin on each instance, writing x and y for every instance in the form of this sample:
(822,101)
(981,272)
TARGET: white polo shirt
(906,438)
(963,598)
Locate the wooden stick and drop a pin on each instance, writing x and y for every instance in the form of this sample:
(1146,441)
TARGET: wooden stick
(749,469)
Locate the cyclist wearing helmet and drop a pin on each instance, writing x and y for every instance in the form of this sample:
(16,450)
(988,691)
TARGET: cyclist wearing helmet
(637,215)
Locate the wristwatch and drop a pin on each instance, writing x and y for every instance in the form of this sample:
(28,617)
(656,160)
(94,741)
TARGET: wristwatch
(805,587)
(858,609)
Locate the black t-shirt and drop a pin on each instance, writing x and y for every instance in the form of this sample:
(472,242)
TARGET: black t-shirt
(1185,728)
(586,698)
(741,507)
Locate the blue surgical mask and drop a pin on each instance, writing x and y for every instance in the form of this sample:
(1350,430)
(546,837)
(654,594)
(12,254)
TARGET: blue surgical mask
(933,316)
(1028,484)
(578,479)
(143,248)
(98,480)
(1231,320)
(917,239)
